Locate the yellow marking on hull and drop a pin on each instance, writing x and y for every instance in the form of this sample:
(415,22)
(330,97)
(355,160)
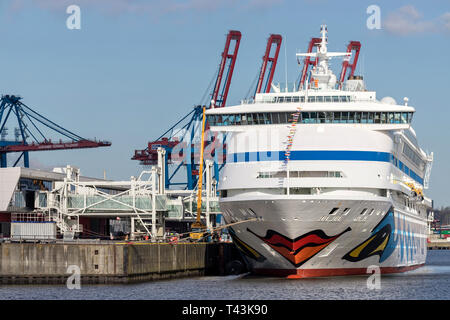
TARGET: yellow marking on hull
(355,253)
(256,254)
(381,246)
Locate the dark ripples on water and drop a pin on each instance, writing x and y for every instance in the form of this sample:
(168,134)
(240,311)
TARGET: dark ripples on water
(429,282)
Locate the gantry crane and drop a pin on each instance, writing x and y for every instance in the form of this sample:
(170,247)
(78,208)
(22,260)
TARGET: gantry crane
(31,133)
(220,92)
(178,140)
(308,62)
(354,47)
(274,39)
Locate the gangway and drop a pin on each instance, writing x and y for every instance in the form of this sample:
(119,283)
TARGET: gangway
(144,200)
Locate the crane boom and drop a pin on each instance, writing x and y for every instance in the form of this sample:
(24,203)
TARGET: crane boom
(273,39)
(352,46)
(220,93)
(308,62)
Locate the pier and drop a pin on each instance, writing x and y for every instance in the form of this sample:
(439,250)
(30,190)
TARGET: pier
(114,262)
(438,245)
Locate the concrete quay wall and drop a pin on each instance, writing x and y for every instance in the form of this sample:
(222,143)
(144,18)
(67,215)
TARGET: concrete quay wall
(438,245)
(34,263)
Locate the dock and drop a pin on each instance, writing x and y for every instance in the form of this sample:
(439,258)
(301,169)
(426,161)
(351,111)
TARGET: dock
(114,262)
(438,245)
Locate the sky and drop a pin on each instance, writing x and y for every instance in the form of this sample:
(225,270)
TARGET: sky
(135,67)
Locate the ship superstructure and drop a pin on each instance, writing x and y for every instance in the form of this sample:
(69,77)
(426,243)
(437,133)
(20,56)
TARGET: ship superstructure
(334,176)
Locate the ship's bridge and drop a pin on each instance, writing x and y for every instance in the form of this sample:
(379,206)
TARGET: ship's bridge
(313,109)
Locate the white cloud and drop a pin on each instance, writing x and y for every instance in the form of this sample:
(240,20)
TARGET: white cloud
(445,19)
(410,11)
(408,20)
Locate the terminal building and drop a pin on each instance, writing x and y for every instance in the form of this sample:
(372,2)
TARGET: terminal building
(19,199)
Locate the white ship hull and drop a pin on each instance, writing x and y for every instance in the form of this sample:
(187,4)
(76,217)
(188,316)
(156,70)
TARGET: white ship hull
(299,238)
(298,234)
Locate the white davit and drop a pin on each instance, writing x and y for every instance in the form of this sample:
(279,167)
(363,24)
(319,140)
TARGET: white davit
(334,178)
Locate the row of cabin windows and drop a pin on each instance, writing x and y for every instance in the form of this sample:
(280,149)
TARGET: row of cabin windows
(306,191)
(309,117)
(403,167)
(413,156)
(302,99)
(301,174)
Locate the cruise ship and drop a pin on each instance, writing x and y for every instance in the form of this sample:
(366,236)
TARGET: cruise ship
(325,179)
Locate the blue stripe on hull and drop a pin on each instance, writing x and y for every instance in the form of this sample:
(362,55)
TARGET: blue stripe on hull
(309,155)
(342,155)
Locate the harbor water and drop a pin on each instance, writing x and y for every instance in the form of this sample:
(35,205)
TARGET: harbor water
(429,282)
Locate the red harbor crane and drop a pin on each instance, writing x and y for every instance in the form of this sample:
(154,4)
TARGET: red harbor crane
(354,47)
(308,62)
(186,125)
(220,93)
(274,39)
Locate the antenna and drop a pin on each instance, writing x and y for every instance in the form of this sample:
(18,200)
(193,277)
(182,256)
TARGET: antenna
(361,66)
(285,63)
